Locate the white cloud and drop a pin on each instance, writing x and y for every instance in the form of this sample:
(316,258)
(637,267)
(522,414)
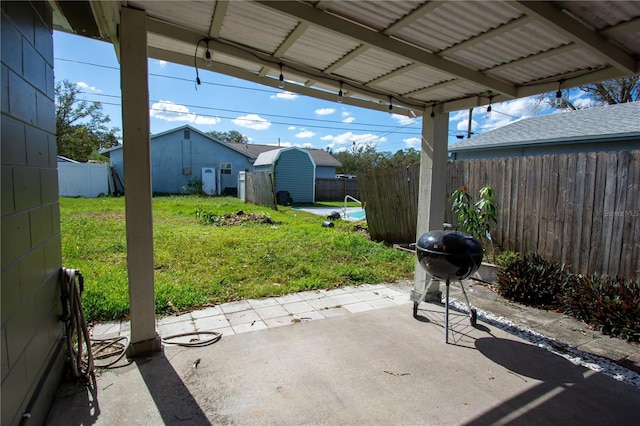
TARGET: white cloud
(325,111)
(347,140)
(170,111)
(282,144)
(463,125)
(403,120)
(252,121)
(84,86)
(162,63)
(412,142)
(305,134)
(347,117)
(291,128)
(287,96)
(307,145)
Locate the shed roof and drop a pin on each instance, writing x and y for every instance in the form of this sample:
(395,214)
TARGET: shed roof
(269,157)
(605,123)
(319,156)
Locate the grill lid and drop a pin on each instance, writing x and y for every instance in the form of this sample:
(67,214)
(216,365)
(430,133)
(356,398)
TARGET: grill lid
(449,255)
(449,242)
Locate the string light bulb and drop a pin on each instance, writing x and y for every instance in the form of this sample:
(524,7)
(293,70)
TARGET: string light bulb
(487,114)
(281,84)
(433,113)
(390,105)
(207,58)
(558,100)
(340,93)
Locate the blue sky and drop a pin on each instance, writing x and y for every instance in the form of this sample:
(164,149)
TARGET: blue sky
(265,115)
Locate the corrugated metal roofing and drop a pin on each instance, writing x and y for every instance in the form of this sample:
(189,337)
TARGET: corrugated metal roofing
(453,54)
(604,122)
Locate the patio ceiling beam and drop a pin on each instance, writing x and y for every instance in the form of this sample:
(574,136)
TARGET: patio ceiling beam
(563,23)
(413,16)
(509,26)
(622,29)
(255,77)
(261,59)
(218,18)
(377,40)
(393,74)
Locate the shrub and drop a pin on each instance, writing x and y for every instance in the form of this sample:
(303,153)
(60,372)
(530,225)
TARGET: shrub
(609,304)
(533,281)
(506,258)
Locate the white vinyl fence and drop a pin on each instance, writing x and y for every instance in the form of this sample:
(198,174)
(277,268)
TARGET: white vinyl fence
(83,179)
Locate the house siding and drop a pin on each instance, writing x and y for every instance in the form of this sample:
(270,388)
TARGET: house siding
(328,172)
(30,217)
(175,161)
(483,153)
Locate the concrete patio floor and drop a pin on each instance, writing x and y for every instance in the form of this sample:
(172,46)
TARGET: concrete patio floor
(362,358)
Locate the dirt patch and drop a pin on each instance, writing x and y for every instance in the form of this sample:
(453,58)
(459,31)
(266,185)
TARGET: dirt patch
(238,218)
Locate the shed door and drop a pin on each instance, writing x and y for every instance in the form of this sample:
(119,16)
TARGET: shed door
(209,180)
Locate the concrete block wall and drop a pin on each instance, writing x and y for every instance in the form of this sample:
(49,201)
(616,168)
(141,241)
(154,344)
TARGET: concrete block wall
(31,255)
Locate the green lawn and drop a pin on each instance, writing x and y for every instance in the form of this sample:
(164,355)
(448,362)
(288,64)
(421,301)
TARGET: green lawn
(199,264)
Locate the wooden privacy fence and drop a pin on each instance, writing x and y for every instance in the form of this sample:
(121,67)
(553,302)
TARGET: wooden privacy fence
(259,189)
(582,210)
(391,203)
(335,189)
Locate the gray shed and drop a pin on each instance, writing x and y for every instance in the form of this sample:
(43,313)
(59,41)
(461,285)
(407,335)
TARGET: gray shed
(294,171)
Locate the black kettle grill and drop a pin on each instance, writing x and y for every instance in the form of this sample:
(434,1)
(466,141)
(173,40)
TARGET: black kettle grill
(449,255)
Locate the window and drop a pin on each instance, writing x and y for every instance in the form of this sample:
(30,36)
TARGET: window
(187,134)
(225,168)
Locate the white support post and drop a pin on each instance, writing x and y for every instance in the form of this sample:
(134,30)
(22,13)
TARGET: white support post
(432,196)
(137,170)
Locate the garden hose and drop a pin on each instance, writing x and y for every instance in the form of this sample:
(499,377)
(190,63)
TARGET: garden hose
(193,342)
(78,340)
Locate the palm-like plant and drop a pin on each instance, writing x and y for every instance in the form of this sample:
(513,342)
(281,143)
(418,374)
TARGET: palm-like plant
(475,218)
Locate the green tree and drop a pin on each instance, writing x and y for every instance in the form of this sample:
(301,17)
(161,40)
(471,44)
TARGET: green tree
(365,158)
(81,126)
(230,136)
(617,91)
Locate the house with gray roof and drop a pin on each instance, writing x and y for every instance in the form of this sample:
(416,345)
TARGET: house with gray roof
(606,128)
(325,163)
(184,154)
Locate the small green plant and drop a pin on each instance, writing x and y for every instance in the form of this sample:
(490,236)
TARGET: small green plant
(475,217)
(194,186)
(506,258)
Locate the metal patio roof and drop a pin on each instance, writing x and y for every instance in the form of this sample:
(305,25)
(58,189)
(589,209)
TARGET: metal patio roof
(415,54)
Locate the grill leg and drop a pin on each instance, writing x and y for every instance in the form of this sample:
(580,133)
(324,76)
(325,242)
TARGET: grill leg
(473,314)
(446,316)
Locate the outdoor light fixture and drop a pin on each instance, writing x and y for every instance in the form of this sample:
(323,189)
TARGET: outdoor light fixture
(558,100)
(340,93)
(207,59)
(487,114)
(281,84)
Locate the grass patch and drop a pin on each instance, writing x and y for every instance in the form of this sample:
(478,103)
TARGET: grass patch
(198,263)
